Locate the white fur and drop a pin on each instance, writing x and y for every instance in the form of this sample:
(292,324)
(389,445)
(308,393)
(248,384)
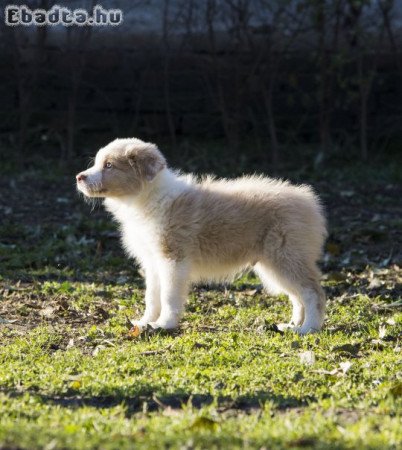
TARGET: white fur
(167,282)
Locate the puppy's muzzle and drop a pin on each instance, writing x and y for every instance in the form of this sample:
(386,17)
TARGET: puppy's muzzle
(81,177)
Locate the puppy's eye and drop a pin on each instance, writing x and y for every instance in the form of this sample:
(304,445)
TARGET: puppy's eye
(108,165)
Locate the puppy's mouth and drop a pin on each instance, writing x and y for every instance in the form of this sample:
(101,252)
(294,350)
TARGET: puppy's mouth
(91,191)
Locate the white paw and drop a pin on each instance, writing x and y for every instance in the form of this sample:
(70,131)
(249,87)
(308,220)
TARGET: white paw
(286,326)
(297,329)
(306,330)
(297,321)
(166,324)
(141,323)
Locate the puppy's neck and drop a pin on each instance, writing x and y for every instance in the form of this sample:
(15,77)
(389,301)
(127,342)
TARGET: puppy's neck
(165,186)
(154,196)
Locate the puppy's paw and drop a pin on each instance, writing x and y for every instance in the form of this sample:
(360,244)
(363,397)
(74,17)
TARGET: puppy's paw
(165,324)
(286,326)
(302,330)
(306,330)
(145,320)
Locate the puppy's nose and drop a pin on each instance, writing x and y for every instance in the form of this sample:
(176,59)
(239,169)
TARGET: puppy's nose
(81,177)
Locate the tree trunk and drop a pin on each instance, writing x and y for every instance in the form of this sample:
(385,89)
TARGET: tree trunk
(274,145)
(166,73)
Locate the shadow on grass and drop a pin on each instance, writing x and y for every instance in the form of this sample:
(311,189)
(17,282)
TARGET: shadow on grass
(149,400)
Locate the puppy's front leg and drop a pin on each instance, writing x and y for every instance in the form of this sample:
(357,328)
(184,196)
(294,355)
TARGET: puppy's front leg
(174,283)
(152,297)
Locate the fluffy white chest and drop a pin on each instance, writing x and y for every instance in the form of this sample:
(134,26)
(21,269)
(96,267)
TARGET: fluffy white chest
(139,238)
(140,235)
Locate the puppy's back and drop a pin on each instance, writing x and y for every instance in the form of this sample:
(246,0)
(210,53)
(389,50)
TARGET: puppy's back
(231,219)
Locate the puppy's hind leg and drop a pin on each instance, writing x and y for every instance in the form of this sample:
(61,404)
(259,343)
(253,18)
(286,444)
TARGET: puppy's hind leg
(313,299)
(301,282)
(273,286)
(174,285)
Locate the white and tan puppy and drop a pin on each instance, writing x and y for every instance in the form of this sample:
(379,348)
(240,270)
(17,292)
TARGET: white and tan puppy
(183,230)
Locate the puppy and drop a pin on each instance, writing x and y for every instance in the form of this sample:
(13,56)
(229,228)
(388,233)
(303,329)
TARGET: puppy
(183,230)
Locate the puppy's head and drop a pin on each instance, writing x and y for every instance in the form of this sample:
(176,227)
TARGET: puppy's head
(121,168)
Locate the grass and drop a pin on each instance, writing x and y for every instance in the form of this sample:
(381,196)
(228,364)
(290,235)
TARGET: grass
(71,377)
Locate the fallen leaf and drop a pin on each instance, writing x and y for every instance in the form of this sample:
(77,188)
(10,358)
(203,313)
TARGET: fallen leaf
(379,343)
(134,332)
(345,366)
(339,371)
(307,358)
(382,331)
(374,283)
(47,312)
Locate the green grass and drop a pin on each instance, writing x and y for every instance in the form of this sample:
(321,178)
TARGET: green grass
(226,379)
(70,376)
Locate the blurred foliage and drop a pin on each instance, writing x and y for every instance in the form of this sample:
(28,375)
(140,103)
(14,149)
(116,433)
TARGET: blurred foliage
(274,80)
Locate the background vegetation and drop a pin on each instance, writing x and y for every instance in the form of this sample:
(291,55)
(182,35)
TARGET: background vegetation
(262,76)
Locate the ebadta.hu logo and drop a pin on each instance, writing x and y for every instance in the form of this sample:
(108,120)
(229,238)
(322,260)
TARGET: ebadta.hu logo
(60,15)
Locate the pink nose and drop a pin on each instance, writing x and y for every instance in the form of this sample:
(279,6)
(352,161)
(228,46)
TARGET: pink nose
(81,177)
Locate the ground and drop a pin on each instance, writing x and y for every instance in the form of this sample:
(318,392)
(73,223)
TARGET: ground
(72,377)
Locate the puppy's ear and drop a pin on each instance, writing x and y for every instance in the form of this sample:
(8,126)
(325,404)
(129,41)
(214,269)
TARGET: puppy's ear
(147,161)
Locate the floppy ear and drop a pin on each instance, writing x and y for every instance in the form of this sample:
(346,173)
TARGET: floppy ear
(148,161)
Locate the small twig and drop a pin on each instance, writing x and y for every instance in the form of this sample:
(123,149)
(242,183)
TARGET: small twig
(151,352)
(159,402)
(156,352)
(396,304)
